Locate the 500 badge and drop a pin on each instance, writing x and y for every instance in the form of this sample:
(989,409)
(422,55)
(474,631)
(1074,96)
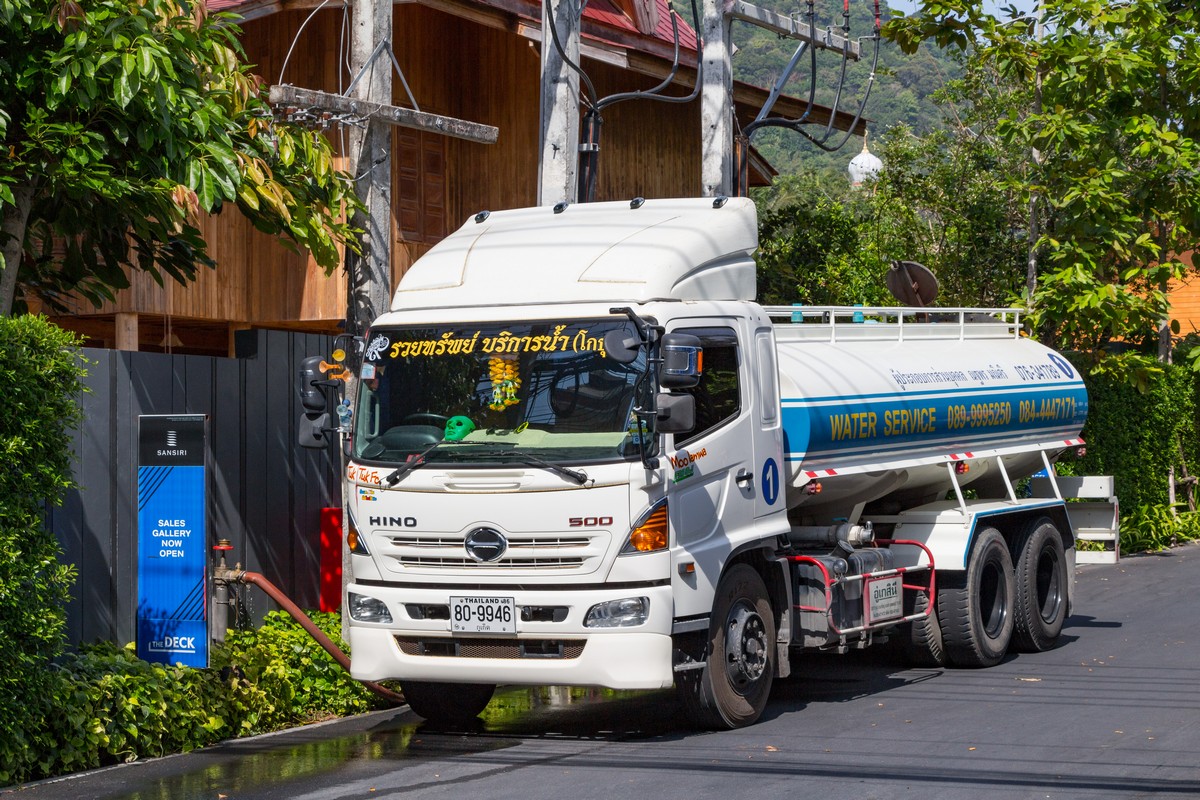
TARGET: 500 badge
(590,522)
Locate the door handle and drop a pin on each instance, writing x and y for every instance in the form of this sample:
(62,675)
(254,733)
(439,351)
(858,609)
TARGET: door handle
(744,477)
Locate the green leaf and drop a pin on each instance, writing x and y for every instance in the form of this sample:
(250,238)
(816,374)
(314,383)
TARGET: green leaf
(123,90)
(145,61)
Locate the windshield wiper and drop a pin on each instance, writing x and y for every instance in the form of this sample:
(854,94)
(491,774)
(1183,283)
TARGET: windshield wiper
(579,476)
(413,462)
(418,460)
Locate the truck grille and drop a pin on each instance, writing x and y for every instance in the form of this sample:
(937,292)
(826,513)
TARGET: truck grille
(532,553)
(507,649)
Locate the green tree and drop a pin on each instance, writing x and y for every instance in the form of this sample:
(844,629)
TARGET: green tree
(1111,134)
(810,248)
(120,121)
(947,200)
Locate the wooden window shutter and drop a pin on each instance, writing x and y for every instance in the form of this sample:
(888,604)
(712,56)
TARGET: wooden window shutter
(419,164)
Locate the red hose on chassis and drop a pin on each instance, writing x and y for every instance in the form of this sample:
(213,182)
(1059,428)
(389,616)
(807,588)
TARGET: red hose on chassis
(316,633)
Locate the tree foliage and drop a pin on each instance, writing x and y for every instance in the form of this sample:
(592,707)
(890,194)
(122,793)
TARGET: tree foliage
(943,199)
(1113,151)
(120,121)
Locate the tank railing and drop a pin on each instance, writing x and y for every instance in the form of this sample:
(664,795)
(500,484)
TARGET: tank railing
(928,589)
(835,316)
(952,470)
(1051,475)
(1008,484)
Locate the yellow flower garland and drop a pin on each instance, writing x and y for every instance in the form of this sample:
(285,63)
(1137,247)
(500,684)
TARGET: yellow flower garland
(505,383)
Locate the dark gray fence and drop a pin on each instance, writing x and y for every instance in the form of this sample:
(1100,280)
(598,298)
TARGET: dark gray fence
(265,493)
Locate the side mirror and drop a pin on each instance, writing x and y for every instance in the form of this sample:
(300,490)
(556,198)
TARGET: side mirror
(312,389)
(315,420)
(312,431)
(676,413)
(621,347)
(683,361)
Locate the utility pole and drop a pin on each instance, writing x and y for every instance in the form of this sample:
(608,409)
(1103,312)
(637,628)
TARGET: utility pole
(559,139)
(716,93)
(369,275)
(716,100)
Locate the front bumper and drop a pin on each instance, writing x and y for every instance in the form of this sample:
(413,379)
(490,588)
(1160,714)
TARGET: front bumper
(542,652)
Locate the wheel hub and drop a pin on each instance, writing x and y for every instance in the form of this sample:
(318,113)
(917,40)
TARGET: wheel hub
(745,646)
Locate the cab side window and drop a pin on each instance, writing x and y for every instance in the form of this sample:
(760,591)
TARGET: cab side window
(718,395)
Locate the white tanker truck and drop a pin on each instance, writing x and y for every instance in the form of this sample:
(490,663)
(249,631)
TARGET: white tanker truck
(583,455)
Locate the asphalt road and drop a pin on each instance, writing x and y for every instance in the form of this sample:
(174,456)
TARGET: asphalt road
(1113,712)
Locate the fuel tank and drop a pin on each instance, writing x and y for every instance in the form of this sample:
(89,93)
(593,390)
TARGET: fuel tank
(874,410)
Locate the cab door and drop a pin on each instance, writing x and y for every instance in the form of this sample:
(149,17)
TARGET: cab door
(711,470)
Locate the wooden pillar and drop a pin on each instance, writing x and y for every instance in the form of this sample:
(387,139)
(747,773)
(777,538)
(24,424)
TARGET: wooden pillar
(559,141)
(125,326)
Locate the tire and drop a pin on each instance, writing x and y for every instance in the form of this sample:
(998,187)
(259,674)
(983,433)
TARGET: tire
(1043,588)
(923,643)
(447,702)
(976,607)
(733,687)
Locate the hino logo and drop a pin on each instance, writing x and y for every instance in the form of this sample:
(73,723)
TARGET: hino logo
(485,544)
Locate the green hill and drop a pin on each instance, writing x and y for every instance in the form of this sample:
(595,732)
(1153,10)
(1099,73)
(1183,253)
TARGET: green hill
(901,93)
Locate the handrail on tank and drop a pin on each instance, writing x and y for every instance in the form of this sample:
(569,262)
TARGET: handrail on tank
(833,316)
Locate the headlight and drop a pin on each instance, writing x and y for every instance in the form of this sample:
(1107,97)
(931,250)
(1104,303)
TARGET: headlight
(367,609)
(624,613)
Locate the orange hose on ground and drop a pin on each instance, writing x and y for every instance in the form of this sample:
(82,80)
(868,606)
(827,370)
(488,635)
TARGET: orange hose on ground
(316,633)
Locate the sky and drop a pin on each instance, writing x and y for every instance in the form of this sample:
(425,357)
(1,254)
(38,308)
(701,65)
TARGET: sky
(908,6)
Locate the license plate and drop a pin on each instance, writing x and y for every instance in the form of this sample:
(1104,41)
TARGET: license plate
(483,615)
(885,599)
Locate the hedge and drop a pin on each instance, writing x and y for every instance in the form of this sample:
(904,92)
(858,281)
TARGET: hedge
(1136,432)
(40,377)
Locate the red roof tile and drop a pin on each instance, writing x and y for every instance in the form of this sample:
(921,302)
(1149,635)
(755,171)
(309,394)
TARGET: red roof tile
(597,12)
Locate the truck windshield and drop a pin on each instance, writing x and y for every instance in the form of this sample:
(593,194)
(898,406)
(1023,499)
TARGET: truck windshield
(544,389)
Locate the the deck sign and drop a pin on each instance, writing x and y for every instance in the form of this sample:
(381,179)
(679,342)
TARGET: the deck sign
(172,626)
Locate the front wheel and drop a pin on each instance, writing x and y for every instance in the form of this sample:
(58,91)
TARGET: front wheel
(732,688)
(975,607)
(447,702)
(1042,588)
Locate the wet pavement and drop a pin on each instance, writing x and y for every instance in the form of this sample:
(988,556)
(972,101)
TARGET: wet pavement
(1113,712)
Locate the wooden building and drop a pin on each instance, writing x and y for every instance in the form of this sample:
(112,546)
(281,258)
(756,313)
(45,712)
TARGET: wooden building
(476,60)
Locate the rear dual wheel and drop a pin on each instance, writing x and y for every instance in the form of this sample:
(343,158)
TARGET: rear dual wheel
(1043,586)
(975,607)
(996,603)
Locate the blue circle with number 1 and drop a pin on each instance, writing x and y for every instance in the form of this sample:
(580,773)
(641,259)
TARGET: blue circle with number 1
(770,481)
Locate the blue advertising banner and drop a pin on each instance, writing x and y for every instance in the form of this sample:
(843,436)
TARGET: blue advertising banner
(172,624)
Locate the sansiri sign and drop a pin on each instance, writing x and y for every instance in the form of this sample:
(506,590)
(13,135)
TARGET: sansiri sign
(172,552)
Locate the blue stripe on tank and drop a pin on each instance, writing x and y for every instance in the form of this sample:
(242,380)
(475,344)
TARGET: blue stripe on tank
(960,419)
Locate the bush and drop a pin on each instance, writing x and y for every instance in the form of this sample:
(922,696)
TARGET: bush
(103,705)
(40,373)
(294,673)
